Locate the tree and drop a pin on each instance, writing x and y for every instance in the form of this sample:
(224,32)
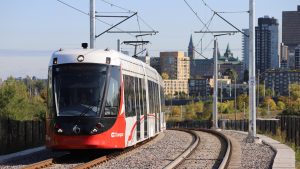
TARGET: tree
(15,102)
(243,98)
(165,76)
(269,103)
(280,105)
(295,91)
(176,112)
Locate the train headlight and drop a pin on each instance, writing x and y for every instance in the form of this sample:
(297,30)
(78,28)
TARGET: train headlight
(57,128)
(97,127)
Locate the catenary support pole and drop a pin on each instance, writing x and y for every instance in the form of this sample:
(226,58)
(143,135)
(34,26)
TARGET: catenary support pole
(215,96)
(252,93)
(92,24)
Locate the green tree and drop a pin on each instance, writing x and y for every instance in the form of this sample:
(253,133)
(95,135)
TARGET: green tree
(241,99)
(15,102)
(280,105)
(176,112)
(295,91)
(269,102)
(199,106)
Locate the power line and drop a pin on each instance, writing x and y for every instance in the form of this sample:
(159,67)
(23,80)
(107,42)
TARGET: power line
(223,18)
(73,7)
(196,14)
(208,25)
(81,11)
(122,8)
(111,4)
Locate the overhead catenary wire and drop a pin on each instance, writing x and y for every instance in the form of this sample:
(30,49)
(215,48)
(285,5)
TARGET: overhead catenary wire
(205,26)
(205,4)
(196,14)
(81,11)
(130,11)
(117,6)
(208,25)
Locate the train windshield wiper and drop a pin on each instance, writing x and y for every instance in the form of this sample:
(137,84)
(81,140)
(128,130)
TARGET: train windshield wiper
(90,108)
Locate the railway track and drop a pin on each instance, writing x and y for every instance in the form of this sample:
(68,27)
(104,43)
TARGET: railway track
(52,162)
(209,149)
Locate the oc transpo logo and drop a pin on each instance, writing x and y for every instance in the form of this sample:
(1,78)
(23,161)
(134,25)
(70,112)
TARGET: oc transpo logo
(76,129)
(115,134)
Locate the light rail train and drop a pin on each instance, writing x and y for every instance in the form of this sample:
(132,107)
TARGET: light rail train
(101,99)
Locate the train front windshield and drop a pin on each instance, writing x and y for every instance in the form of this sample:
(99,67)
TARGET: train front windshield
(79,89)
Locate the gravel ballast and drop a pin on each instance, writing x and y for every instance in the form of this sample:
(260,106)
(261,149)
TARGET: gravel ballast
(254,155)
(209,154)
(156,155)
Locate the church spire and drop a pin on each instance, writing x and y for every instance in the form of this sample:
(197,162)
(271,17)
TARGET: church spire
(191,52)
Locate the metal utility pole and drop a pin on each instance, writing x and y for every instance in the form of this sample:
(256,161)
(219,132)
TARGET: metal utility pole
(252,99)
(92,24)
(215,96)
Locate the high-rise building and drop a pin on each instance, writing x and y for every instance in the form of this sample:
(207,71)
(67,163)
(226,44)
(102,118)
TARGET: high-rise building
(155,63)
(291,28)
(297,57)
(191,49)
(175,64)
(266,44)
(245,49)
(284,53)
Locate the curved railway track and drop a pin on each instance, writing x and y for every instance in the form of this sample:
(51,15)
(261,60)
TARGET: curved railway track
(209,149)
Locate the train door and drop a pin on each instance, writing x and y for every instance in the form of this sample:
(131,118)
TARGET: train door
(145,109)
(138,108)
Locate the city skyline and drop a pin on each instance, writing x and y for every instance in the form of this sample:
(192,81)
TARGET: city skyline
(49,25)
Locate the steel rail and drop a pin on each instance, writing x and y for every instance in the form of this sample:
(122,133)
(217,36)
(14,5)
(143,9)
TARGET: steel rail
(192,147)
(41,164)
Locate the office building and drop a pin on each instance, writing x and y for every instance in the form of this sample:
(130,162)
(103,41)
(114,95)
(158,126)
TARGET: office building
(278,80)
(175,86)
(199,87)
(297,57)
(175,64)
(291,28)
(245,49)
(284,53)
(266,44)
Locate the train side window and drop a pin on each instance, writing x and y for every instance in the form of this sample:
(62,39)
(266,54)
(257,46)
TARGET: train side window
(50,112)
(150,97)
(113,95)
(129,95)
(144,96)
(141,88)
(136,94)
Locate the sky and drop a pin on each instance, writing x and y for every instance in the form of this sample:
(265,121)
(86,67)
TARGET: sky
(31,30)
